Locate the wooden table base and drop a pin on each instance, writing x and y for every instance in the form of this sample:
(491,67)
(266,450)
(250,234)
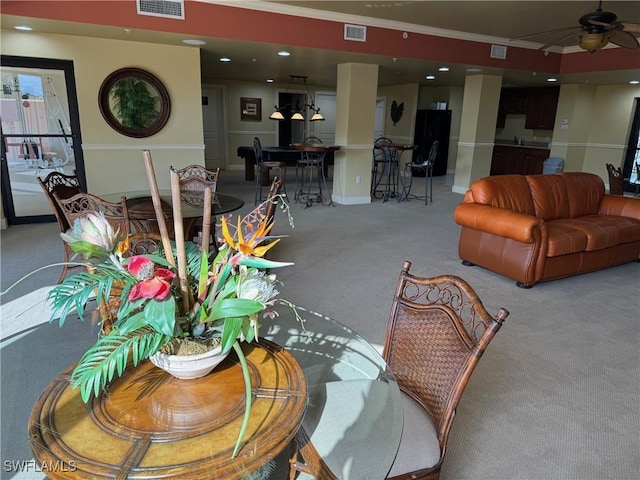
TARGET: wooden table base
(150,425)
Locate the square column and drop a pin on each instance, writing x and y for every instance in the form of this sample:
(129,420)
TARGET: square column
(477,130)
(357,89)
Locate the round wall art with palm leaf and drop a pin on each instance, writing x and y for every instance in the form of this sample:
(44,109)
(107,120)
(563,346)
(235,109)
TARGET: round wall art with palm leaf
(134,102)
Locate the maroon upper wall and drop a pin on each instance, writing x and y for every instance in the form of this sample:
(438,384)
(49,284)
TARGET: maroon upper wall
(235,23)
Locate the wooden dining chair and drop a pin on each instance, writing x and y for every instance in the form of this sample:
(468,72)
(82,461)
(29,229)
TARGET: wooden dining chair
(193,181)
(195,178)
(84,203)
(616,184)
(117,215)
(438,330)
(57,186)
(140,243)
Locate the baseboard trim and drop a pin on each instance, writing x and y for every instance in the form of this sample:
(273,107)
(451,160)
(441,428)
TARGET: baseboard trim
(350,200)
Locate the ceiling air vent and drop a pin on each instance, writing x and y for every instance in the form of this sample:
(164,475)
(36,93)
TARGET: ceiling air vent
(355,33)
(161,8)
(499,51)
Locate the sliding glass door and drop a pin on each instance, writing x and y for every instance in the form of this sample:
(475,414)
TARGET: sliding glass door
(40,133)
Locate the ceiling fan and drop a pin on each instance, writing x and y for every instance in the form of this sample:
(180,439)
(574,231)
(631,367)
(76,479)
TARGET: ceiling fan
(596,30)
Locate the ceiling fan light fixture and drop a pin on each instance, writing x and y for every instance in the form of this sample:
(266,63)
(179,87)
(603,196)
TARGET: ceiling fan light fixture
(593,41)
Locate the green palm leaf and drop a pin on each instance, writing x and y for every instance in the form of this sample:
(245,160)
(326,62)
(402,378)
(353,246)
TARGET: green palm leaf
(75,291)
(110,354)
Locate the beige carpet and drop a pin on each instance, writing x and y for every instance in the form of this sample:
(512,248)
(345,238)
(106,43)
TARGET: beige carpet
(555,396)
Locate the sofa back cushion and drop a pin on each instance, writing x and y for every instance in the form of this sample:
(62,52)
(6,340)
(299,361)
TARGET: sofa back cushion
(504,191)
(550,197)
(585,192)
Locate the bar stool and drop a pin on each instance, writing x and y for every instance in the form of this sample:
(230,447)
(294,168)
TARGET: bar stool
(382,175)
(310,177)
(263,167)
(422,166)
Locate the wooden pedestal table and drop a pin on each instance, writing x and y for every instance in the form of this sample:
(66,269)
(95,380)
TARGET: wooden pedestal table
(148,424)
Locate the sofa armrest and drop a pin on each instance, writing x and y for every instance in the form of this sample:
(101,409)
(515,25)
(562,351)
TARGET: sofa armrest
(620,206)
(498,221)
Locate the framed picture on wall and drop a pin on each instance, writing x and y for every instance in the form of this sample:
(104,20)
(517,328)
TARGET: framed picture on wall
(251,109)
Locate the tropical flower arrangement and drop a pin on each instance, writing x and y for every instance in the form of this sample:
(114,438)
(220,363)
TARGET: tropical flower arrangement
(227,293)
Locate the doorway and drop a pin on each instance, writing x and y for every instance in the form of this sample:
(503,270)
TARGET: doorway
(291,131)
(213,116)
(40,129)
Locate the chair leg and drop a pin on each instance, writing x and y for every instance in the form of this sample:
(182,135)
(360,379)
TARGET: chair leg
(65,266)
(312,463)
(258,193)
(283,176)
(428,186)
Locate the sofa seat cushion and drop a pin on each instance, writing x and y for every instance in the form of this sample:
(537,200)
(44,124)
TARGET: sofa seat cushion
(628,228)
(563,239)
(601,232)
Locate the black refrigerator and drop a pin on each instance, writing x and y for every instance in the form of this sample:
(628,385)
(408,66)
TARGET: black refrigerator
(432,125)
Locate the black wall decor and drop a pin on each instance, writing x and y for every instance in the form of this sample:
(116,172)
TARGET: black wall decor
(396,111)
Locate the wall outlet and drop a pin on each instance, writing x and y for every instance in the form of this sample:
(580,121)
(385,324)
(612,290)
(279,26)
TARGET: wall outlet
(358,179)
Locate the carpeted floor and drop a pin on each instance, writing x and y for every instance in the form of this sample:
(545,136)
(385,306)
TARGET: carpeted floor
(555,396)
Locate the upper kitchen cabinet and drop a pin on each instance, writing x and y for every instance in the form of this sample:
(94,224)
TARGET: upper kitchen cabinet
(538,104)
(542,105)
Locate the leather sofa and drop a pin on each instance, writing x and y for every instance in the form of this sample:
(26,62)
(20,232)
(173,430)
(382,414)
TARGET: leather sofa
(534,228)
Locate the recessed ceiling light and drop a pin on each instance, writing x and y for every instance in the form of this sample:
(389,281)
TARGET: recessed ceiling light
(443,69)
(634,82)
(270,80)
(225,59)
(430,77)
(23,28)
(194,41)
(473,70)
(551,79)
(284,53)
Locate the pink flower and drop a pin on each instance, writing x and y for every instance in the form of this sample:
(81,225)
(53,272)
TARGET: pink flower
(155,288)
(141,267)
(154,283)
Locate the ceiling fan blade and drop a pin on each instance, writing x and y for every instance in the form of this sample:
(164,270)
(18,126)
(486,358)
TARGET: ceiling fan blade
(623,39)
(601,24)
(558,41)
(549,32)
(633,27)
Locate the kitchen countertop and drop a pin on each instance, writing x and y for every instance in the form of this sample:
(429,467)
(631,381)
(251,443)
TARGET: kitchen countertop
(510,143)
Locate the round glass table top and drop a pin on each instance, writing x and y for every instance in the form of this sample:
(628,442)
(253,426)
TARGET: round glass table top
(354,416)
(140,203)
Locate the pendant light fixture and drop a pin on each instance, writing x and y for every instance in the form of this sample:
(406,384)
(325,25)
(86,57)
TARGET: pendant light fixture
(298,114)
